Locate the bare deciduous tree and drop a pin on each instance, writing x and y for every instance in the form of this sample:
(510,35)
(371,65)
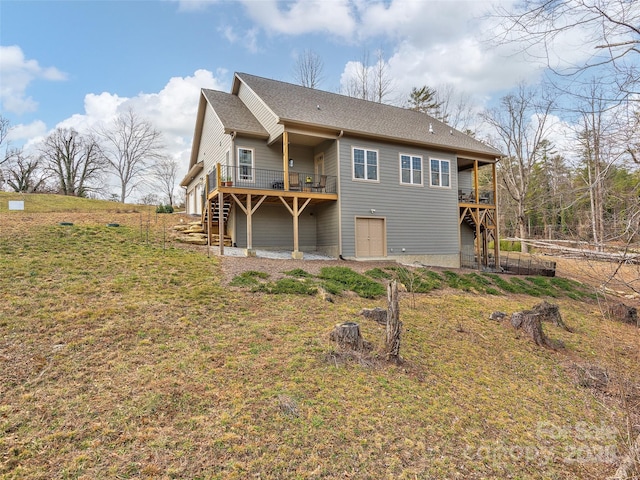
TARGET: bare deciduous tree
(610,27)
(23,173)
(75,160)
(308,69)
(456,107)
(164,173)
(130,145)
(369,82)
(382,82)
(4,131)
(521,125)
(601,138)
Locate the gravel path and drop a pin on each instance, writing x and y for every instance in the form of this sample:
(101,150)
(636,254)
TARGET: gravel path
(275,263)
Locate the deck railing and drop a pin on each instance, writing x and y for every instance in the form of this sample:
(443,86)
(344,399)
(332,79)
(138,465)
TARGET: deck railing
(263,179)
(469,196)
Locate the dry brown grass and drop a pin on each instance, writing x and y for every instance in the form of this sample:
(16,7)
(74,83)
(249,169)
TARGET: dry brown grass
(125,356)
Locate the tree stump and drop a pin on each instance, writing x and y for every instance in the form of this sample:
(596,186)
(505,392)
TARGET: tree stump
(377,314)
(529,322)
(624,313)
(550,312)
(394,325)
(347,336)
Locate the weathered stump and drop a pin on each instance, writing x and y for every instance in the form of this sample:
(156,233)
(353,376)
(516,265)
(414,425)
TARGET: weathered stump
(347,336)
(550,312)
(624,313)
(394,325)
(377,314)
(529,322)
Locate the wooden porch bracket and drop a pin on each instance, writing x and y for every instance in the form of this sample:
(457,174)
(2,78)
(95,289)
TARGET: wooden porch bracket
(249,210)
(295,213)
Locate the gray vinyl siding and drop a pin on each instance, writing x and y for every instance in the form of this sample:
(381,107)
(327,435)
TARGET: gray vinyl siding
(273,228)
(467,237)
(465,180)
(422,220)
(328,214)
(266,157)
(259,110)
(214,142)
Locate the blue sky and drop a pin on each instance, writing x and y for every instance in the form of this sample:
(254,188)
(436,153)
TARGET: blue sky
(78,63)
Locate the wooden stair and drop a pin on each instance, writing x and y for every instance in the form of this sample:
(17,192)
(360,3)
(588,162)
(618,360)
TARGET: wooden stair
(214,211)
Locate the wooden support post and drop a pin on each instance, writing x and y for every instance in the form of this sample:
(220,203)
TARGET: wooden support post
(296,244)
(295,213)
(249,210)
(221,222)
(478,239)
(208,204)
(249,213)
(285,158)
(218,175)
(476,183)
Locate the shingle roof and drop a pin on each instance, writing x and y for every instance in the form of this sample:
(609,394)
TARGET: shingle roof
(234,114)
(294,103)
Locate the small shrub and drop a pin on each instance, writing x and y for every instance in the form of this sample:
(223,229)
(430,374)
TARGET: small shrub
(543,285)
(248,279)
(525,287)
(456,281)
(298,273)
(164,209)
(288,286)
(378,274)
(353,281)
(501,283)
(414,281)
(332,287)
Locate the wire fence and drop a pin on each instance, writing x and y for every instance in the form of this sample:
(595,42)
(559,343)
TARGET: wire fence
(510,263)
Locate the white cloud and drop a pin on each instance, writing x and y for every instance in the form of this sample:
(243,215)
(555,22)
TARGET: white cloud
(248,39)
(172,111)
(194,5)
(303,16)
(17,73)
(21,132)
(439,43)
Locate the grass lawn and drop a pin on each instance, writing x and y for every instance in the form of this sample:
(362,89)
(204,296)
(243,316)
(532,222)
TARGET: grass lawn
(122,356)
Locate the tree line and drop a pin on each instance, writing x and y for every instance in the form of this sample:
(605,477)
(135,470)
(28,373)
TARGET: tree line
(585,186)
(68,162)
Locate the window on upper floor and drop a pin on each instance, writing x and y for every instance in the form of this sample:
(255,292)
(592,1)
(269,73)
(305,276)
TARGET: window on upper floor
(440,173)
(365,164)
(410,169)
(245,164)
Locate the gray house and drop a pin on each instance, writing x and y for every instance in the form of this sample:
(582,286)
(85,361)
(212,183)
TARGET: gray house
(280,166)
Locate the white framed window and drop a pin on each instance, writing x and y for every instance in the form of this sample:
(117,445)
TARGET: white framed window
(245,164)
(440,173)
(365,164)
(410,169)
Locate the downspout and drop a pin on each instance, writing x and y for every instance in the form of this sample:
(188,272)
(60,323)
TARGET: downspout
(339,194)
